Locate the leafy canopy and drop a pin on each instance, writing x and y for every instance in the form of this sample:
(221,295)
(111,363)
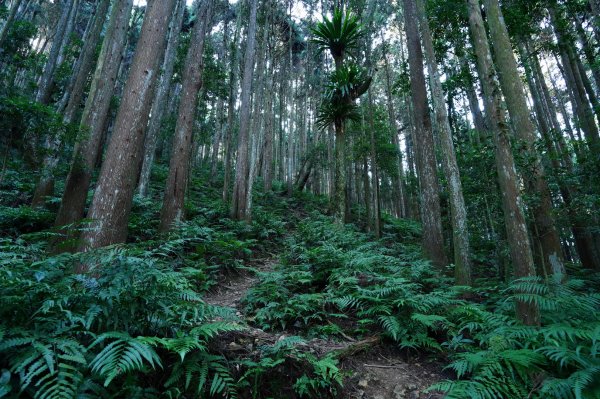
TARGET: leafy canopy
(339,35)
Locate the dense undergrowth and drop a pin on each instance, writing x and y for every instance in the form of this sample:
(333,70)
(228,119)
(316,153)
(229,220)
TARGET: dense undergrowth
(137,326)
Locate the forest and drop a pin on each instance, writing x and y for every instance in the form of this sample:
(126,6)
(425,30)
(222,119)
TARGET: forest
(254,199)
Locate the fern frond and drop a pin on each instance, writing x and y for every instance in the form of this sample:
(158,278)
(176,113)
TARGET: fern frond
(123,355)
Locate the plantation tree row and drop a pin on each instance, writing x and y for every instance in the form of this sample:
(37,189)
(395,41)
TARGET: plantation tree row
(478,118)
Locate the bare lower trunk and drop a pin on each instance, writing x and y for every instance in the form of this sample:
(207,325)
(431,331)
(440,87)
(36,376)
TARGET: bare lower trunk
(75,90)
(111,205)
(68,10)
(230,131)
(240,188)
(94,116)
(431,217)
(460,233)
(338,197)
(535,178)
(179,167)
(159,104)
(514,218)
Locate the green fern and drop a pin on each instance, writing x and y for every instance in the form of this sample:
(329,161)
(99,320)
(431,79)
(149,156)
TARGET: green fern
(122,355)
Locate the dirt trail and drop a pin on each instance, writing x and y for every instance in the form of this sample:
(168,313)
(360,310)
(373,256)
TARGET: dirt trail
(375,371)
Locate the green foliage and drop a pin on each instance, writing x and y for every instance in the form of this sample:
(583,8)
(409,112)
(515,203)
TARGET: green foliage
(504,359)
(331,272)
(316,377)
(340,34)
(137,315)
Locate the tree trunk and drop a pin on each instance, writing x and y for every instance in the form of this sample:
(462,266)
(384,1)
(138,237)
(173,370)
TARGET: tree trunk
(338,197)
(267,171)
(397,181)
(458,211)
(583,241)
(94,116)
(230,131)
(159,105)
(582,107)
(179,167)
(240,187)
(514,218)
(68,10)
(75,90)
(45,186)
(535,179)
(431,216)
(111,205)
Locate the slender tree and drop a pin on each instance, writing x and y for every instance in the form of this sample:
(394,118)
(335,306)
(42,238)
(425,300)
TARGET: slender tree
(431,215)
(159,105)
(514,218)
(179,168)
(94,116)
(347,82)
(460,232)
(514,95)
(111,205)
(239,204)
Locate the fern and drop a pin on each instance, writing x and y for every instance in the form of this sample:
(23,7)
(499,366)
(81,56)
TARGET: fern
(123,355)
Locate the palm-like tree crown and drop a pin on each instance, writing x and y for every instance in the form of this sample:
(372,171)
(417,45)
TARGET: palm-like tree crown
(339,34)
(345,84)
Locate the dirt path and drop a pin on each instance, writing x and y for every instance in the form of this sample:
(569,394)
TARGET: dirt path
(376,371)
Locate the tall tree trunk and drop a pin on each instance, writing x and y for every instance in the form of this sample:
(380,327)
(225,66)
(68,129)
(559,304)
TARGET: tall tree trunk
(76,87)
(583,240)
(230,130)
(159,105)
(514,218)
(240,187)
(68,9)
(458,211)
(111,205)
(431,216)
(535,179)
(259,118)
(582,106)
(267,170)
(179,167)
(95,114)
(338,197)
(397,180)
(45,185)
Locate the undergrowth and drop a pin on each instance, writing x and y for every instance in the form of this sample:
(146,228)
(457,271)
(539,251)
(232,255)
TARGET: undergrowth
(336,281)
(136,326)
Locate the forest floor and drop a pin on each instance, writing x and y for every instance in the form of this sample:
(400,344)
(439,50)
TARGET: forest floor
(374,371)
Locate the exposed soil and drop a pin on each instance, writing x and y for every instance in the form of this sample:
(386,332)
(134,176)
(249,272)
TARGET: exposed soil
(375,372)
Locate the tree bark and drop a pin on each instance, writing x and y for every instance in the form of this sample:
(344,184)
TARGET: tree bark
(68,9)
(534,176)
(75,89)
(431,216)
(230,130)
(179,167)
(95,114)
(45,185)
(458,211)
(111,205)
(159,105)
(240,188)
(514,218)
